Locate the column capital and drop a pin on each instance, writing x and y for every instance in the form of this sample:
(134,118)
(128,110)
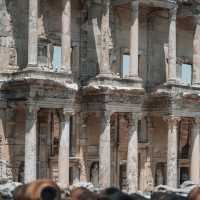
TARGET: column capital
(173,12)
(106,3)
(196,120)
(106,115)
(196,19)
(172,120)
(84,118)
(66,114)
(133,118)
(135,5)
(31,111)
(150,123)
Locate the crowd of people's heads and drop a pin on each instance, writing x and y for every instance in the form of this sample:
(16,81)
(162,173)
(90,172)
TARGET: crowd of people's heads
(48,190)
(194,194)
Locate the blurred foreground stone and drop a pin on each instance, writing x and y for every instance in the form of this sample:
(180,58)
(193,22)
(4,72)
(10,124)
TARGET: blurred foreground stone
(7,189)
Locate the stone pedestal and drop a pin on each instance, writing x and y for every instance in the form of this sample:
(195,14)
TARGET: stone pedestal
(66,37)
(30,168)
(196,53)
(172,151)
(195,152)
(132,160)
(105,151)
(33,34)
(172,47)
(63,156)
(134,40)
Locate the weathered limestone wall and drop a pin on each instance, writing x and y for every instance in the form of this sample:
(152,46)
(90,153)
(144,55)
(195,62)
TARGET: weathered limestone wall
(159,145)
(93,134)
(121,34)
(14,30)
(12,142)
(158,37)
(13,33)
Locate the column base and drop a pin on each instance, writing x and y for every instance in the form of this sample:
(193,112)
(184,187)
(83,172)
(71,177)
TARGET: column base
(196,85)
(173,82)
(107,75)
(12,69)
(32,68)
(69,73)
(135,78)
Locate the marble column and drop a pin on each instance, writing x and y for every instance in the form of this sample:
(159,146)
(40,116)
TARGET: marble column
(132,159)
(172,151)
(30,168)
(63,155)
(83,147)
(195,152)
(196,53)
(106,40)
(172,47)
(105,151)
(33,34)
(66,37)
(134,40)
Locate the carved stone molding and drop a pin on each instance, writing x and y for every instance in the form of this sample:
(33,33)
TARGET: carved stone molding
(172,120)
(173,12)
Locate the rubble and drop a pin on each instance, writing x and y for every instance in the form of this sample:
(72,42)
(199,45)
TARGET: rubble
(7,189)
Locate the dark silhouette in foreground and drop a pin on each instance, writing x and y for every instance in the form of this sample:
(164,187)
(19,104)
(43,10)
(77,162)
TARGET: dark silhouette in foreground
(48,190)
(194,194)
(38,190)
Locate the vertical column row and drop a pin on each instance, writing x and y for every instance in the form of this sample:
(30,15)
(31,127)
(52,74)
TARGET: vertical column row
(65,35)
(105,152)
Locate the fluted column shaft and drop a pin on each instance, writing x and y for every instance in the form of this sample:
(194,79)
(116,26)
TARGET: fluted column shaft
(30,167)
(134,39)
(105,151)
(106,39)
(195,152)
(132,159)
(196,53)
(63,156)
(66,37)
(172,46)
(172,151)
(33,33)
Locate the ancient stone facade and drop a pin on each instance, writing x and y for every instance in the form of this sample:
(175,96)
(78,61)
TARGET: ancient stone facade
(88,120)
